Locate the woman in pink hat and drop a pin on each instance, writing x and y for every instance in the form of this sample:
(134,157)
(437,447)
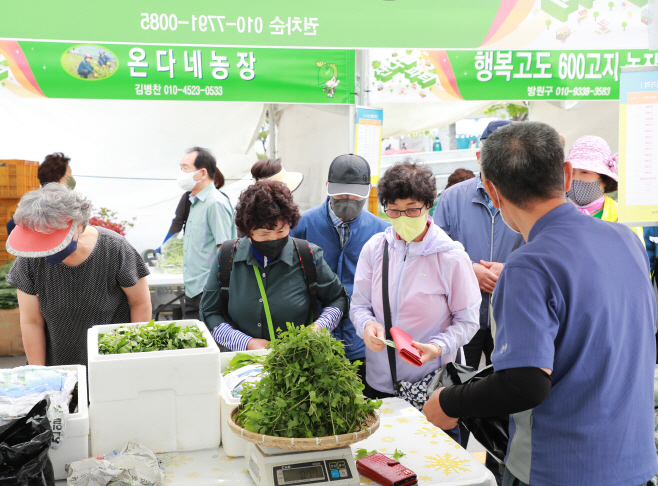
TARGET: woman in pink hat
(594,176)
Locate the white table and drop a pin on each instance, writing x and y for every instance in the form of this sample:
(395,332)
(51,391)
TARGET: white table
(430,453)
(166,289)
(157,279)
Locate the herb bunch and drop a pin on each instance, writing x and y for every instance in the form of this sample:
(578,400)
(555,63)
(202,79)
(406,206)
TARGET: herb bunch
(309,389)
(150,337)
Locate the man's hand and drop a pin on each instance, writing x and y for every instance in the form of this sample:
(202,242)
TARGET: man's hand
(486,278)
(256,344)
(373,329)
(434,413)
(316,327)
(428,352)
(495,267)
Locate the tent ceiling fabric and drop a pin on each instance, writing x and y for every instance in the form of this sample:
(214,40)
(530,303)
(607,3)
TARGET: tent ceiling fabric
(139,139)
(404,118)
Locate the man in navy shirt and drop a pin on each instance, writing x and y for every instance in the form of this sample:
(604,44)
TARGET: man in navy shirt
(575,315)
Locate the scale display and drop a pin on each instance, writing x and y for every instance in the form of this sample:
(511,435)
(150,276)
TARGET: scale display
(272,467)
(300,474)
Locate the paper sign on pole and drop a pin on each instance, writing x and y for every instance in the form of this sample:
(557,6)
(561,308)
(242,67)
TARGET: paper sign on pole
(638,146)
(369,123)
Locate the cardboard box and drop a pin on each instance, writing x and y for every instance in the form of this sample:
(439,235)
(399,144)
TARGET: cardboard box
(11,340)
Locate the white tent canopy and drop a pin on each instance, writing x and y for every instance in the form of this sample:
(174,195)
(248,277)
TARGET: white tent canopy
(404,118)
(130,139)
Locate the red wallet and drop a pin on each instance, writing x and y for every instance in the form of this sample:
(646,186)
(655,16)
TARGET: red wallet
(386,471)
(402,342)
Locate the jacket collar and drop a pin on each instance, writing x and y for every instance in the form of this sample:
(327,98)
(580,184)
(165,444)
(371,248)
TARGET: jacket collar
(548,218)
(243,253)
(480,195)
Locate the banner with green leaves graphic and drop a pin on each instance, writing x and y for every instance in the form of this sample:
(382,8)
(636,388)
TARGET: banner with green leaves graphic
(134,71)
(419,76)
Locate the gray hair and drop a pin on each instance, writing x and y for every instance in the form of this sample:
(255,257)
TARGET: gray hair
(51,208)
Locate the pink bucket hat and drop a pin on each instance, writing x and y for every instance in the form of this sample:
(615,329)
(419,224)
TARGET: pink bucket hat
(592,153)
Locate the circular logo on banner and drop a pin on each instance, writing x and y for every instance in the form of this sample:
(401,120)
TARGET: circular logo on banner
(89,61)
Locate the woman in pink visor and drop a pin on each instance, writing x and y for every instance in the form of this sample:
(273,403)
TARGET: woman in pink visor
(594,176)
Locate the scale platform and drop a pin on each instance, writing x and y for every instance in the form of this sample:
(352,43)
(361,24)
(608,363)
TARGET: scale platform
(280,467)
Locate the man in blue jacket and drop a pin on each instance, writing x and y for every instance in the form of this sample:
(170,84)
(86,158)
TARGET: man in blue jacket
(465,212)
(341,228)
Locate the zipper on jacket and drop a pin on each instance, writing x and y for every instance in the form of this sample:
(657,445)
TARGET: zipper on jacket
(493,220)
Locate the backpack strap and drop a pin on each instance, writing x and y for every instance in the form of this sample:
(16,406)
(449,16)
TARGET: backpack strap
(224,269)
(307,261)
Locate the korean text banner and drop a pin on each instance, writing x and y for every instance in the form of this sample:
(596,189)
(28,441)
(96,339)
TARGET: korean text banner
(416,75)
(132,71)
(351,24)
(638,146)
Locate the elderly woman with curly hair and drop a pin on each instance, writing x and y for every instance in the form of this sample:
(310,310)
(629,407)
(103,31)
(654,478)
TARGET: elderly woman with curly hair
(267,287)
(432,293)
(70,276)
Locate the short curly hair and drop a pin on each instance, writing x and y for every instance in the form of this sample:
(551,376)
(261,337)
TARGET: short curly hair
(53,168)
(265,204)
(408,179)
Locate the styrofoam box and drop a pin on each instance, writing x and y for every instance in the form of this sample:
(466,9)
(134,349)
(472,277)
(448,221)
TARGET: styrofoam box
(233,445)
(75,446)
(166,400)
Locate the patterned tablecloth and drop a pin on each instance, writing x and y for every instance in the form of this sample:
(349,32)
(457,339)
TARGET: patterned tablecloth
(430,453)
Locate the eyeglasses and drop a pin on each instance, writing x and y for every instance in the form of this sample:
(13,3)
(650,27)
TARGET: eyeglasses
(411,212)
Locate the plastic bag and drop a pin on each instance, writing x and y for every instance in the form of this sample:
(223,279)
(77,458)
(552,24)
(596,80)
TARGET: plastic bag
(24,444)
(23,387)
(170,258)
(134,464)
(491,432)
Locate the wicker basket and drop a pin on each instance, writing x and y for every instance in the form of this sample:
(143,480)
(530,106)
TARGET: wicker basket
(313,444)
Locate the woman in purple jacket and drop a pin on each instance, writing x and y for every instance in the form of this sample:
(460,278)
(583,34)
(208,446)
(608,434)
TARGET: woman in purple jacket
(432,290)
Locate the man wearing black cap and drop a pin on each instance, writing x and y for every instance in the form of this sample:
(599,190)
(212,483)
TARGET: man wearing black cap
(341,228)
(465,212)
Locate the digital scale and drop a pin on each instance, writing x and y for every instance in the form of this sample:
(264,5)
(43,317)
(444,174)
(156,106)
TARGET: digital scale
(279,467)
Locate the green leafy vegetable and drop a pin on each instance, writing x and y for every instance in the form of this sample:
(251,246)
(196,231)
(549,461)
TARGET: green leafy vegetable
(242,359)
(310,389)
(363,453)
(171,260)
(150,337)
(8,298)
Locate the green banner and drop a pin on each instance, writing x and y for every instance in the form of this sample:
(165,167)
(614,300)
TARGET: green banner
(554,75)
(338,24)
(133,71)
(272,23)
(414,75)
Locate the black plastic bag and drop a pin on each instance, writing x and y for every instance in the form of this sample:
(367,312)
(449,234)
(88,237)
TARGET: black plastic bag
(24,445)
(491,432)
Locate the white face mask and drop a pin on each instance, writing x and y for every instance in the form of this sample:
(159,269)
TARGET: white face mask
(501,211)
(186,180)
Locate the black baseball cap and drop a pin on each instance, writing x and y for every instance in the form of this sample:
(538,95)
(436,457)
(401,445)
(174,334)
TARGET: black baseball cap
(493,126)
(349,174)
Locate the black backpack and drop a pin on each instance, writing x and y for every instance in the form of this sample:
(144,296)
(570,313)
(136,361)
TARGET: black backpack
(306,260)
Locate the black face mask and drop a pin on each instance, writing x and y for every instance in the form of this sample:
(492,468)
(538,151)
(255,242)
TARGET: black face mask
(269,248)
